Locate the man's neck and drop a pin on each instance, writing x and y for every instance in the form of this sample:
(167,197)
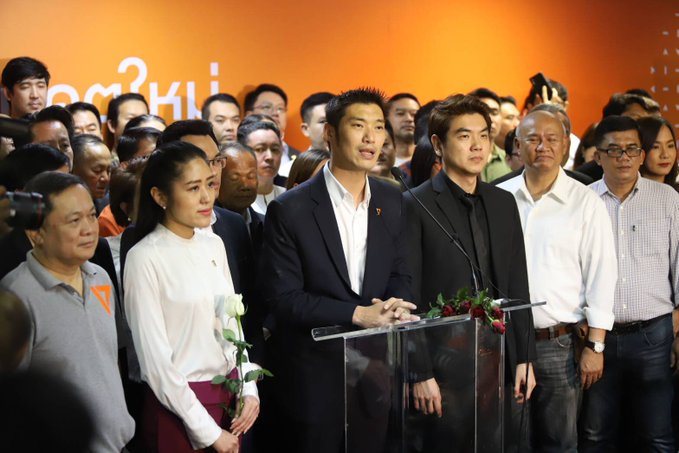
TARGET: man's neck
(466,182)
(620,190)
(539,183)
(404,150)
(353,181)
(67,273)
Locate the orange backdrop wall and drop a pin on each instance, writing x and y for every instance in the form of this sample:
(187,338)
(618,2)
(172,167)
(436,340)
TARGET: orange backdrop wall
(178,52)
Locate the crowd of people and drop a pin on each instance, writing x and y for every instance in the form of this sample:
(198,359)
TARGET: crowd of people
(116,268)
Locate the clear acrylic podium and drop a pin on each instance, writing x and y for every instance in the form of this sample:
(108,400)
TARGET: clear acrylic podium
(382,365)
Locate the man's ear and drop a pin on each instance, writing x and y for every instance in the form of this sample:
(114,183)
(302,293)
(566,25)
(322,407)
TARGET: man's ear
(329,133)
(305,129)
(111,129)
(36,236)
(597,158)
(438,146)
(159,197)
(8,94)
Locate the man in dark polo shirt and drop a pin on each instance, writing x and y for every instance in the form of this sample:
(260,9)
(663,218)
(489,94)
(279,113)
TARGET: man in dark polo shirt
(72,306)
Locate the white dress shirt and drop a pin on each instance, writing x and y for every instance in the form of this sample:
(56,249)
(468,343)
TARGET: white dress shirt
(352,223)
(570,252)
(262,201)
(172,291)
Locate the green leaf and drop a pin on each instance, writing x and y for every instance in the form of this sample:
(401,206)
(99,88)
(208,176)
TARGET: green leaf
(434,313)
(219,379)
(440,301)
(252,375)
(233,385)
(266,372)
(229,335)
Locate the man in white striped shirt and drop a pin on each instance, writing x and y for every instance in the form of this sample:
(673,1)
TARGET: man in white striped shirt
(645,220)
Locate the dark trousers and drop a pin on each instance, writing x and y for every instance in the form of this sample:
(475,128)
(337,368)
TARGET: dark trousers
(556,399)
(637,385)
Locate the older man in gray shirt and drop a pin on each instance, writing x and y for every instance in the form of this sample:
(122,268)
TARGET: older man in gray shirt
(640,347)
(71,305)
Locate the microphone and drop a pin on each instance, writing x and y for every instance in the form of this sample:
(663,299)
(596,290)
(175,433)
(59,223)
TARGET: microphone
(454,238)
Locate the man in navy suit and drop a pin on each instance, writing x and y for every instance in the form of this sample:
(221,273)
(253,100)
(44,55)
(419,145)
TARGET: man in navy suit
(334,253)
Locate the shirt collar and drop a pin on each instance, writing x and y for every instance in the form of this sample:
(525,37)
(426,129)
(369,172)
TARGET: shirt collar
(600,187)
(337,191)
(559,190)
(49,281)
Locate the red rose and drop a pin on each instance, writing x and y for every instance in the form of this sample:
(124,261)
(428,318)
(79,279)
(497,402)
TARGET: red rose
(447,311)
(498,313)
(499,327)
(464,306)
(478,312)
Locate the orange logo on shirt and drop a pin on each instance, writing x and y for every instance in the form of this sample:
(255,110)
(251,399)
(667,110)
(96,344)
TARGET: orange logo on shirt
(103,294)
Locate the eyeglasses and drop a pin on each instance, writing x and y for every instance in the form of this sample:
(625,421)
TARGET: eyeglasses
(269,109)
(218,162)
(616,151)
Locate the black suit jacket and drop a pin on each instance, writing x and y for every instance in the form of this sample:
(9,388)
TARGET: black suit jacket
(304,277)
(231,228)
(439,267)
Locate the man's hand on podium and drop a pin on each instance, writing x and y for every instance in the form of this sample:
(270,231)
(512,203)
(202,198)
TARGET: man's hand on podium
(521,386)
(382,313)
(427,397)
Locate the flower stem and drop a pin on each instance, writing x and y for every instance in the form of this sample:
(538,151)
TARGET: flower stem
(239,407)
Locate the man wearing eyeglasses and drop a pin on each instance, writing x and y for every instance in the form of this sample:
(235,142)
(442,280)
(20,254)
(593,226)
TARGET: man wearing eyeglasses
(571,265)
(642,345)
(269,99)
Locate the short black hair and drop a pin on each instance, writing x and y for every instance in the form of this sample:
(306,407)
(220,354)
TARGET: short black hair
(179,129)
(508,100)
(52,183)
(128,144)
(256,118)
(422,120)
(80,142)
(82,107)
(137,120)
(122,190)
(312,101)
(485,93)
(424,158)
(51,113)
(399,96)
(24,163)
(619,102)
(251,97)
(22,68)
(244,130)
(509,142)
(615,123)
(453,106)
(221,97)
(639,92)
(116,102)
(335,108)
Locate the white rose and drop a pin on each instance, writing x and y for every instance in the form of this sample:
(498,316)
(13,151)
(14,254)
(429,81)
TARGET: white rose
(234,305)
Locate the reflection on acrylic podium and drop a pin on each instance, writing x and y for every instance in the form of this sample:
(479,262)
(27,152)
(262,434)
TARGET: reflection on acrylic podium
(382,366)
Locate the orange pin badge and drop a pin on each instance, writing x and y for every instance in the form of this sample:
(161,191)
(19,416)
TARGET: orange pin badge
(379,211)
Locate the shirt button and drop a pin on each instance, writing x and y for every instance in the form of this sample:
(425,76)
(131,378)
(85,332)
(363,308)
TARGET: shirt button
(624,279)
(622,233)
(622,257)
(624,307)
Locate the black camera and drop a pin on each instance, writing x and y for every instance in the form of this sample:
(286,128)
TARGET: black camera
(26,210)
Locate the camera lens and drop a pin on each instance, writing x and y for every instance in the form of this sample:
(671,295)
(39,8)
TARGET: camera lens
(26,210)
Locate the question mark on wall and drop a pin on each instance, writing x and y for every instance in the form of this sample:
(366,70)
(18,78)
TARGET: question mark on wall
(141,66)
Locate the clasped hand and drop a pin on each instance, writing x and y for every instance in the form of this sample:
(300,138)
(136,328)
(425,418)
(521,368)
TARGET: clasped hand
(382,313)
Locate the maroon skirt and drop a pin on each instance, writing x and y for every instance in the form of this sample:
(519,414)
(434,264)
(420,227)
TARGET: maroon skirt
(164,432)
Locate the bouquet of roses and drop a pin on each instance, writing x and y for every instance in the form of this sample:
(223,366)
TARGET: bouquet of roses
(480,306)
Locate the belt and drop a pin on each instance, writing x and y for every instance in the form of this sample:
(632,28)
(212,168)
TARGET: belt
(635,326)
(549,333)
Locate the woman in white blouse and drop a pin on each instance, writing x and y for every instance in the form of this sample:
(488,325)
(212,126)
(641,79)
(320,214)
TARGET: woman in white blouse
(173,278)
